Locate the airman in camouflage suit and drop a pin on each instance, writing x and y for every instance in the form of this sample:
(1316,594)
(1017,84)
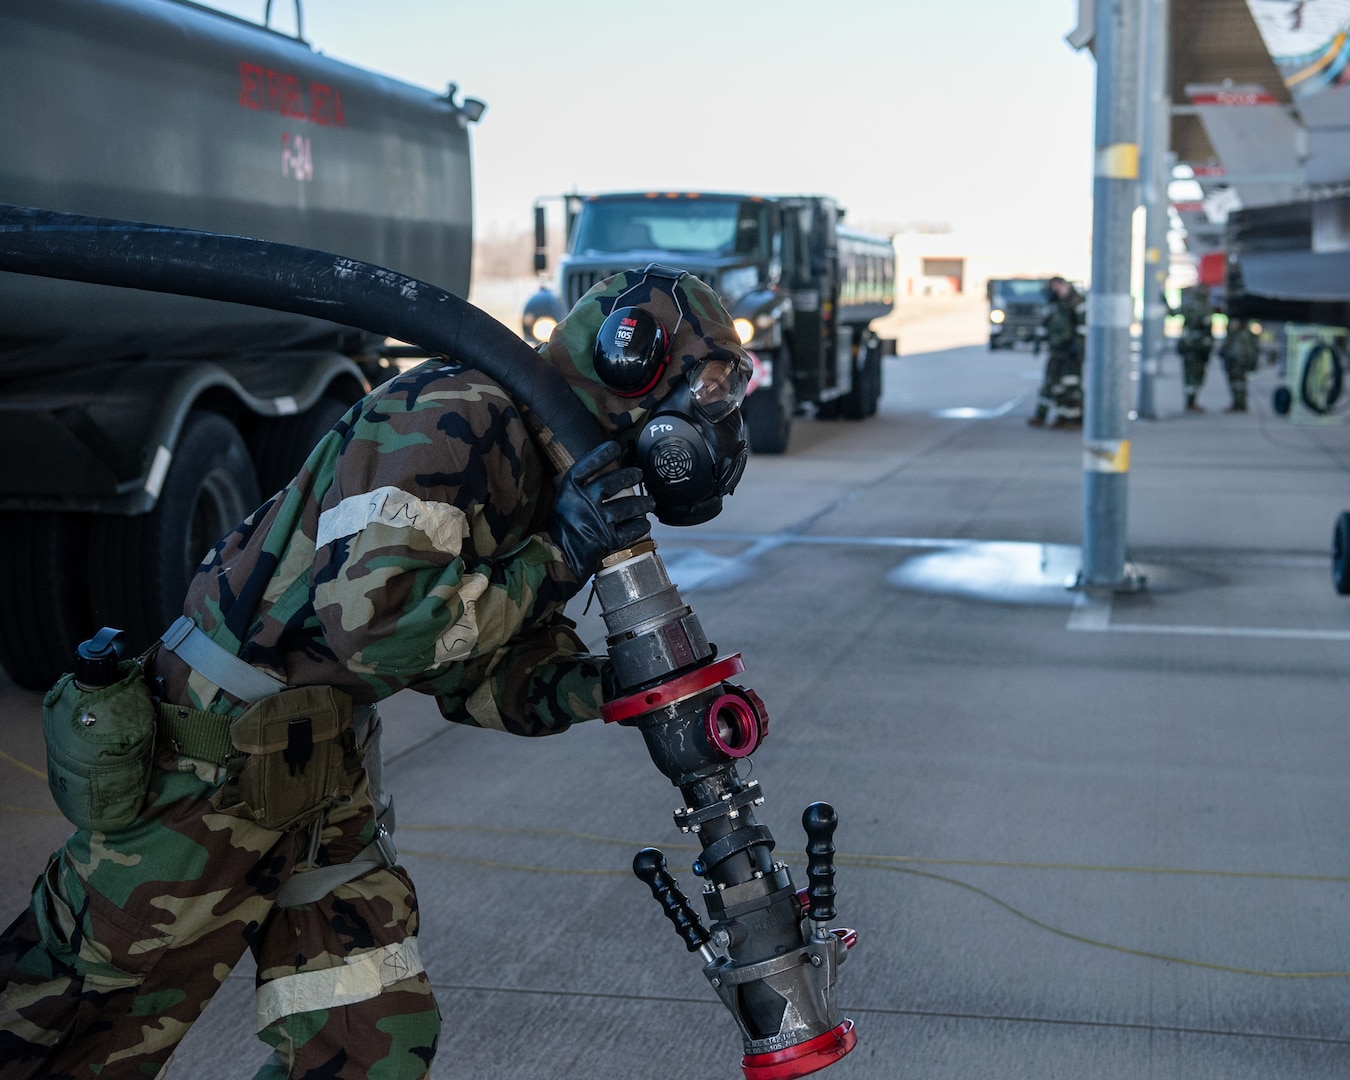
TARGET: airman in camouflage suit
(1240,353)
(1062,383)
(418,548)
(1197,341)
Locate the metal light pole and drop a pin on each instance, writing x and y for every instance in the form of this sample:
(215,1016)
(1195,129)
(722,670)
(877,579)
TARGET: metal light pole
(1110,308)
(1156,170)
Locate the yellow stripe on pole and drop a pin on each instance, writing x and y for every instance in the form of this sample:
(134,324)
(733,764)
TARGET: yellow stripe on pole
(1119,161)
(1106,456)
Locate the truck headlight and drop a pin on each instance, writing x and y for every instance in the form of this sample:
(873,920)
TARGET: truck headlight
(543,327)
(745,330)
(996,316)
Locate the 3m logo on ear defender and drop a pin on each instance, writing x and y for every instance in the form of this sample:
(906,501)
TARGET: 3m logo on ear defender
(631,351)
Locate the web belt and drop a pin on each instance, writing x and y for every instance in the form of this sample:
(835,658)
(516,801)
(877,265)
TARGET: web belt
(205,735)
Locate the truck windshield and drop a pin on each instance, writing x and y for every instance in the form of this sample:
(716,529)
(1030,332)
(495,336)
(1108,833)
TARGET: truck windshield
(1021,289)
(689,225)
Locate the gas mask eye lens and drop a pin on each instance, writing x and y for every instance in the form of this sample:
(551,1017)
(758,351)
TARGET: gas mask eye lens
(717,387)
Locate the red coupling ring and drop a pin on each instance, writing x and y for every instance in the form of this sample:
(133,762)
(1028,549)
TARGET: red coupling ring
(667,693)
(803,1058)
(846,934)
(736,722)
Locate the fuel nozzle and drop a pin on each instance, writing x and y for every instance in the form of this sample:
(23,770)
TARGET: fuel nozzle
(767,948)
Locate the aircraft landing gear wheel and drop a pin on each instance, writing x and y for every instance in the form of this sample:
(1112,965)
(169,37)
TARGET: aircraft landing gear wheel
(1281,400)
(139,567)
(1340,554)
(1323,378)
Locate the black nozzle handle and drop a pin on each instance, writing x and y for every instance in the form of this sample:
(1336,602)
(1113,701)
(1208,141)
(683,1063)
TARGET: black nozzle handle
(819,820)
(650,866)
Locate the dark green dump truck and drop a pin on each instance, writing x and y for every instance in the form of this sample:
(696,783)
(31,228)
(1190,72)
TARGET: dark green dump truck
(803,289)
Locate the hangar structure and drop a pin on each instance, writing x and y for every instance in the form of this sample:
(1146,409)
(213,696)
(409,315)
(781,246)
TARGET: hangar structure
(1260,122)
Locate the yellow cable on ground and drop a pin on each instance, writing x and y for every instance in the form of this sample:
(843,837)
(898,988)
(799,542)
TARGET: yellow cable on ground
(897,864)
(41,811)
(23,765)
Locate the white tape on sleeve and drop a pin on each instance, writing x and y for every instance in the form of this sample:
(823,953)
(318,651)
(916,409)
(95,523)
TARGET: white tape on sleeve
(361,978)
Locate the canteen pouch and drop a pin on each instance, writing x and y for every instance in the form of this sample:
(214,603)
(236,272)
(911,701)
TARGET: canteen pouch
(296,757)
(100,748)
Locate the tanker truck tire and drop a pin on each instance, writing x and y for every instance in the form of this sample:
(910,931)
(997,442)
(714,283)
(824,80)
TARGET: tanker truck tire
(44,601)
(280,446)
(768,411)
(1340,554)
(139,567)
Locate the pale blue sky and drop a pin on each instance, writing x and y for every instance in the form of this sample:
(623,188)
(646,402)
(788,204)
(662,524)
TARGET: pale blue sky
(972,112)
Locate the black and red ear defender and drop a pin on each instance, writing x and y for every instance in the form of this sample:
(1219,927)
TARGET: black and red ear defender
(632,350)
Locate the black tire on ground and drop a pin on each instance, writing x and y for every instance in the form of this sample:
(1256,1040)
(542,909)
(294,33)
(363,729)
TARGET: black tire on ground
(280,445)
(139,567)
(861,401)
(1281,400)
(1323,378)
(768,411)
(1340,554)
(44,599)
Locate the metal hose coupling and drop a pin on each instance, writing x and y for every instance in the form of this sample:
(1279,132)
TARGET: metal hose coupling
(768,950)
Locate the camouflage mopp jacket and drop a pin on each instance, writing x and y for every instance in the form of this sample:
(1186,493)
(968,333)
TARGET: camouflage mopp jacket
(410,551)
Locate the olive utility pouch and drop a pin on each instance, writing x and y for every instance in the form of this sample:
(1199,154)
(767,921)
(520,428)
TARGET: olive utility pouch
(299,757)
(100,748)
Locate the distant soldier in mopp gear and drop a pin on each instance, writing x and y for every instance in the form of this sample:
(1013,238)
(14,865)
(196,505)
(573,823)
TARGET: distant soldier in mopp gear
(1062,384)
(1197,341)
(1240,352)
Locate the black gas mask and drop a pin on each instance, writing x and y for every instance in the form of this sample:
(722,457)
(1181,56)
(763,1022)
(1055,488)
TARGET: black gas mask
(690,462)
(692,449)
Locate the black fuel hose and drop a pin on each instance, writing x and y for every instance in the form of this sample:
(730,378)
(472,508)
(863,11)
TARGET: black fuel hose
(303,281)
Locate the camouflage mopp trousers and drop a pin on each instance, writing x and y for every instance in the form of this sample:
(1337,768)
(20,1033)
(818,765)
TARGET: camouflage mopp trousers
(129,934)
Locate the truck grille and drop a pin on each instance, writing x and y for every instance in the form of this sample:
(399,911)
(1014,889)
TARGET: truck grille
(579,282)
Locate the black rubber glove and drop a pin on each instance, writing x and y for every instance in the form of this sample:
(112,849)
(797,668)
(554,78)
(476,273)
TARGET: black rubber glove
(584,525)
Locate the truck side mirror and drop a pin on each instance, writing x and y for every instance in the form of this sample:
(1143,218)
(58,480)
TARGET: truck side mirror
(540,241)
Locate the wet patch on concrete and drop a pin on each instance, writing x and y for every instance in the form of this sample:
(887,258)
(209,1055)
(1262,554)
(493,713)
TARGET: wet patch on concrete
(1002,571)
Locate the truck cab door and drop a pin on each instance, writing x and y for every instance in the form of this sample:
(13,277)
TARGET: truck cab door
(808,276)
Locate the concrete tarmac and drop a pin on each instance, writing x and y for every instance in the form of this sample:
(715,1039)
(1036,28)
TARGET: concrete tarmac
(1080,836)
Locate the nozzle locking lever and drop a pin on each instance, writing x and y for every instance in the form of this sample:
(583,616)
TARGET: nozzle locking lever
(819,820)
(650,866)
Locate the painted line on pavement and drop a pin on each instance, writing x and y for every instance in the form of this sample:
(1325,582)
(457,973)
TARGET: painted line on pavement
(1094,615)
(1090,613)
(1231,631)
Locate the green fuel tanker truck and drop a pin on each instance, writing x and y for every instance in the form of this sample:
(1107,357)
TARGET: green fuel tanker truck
(138,427)
(802,287)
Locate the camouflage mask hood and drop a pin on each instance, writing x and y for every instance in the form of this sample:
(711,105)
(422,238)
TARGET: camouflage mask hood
(700,326)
